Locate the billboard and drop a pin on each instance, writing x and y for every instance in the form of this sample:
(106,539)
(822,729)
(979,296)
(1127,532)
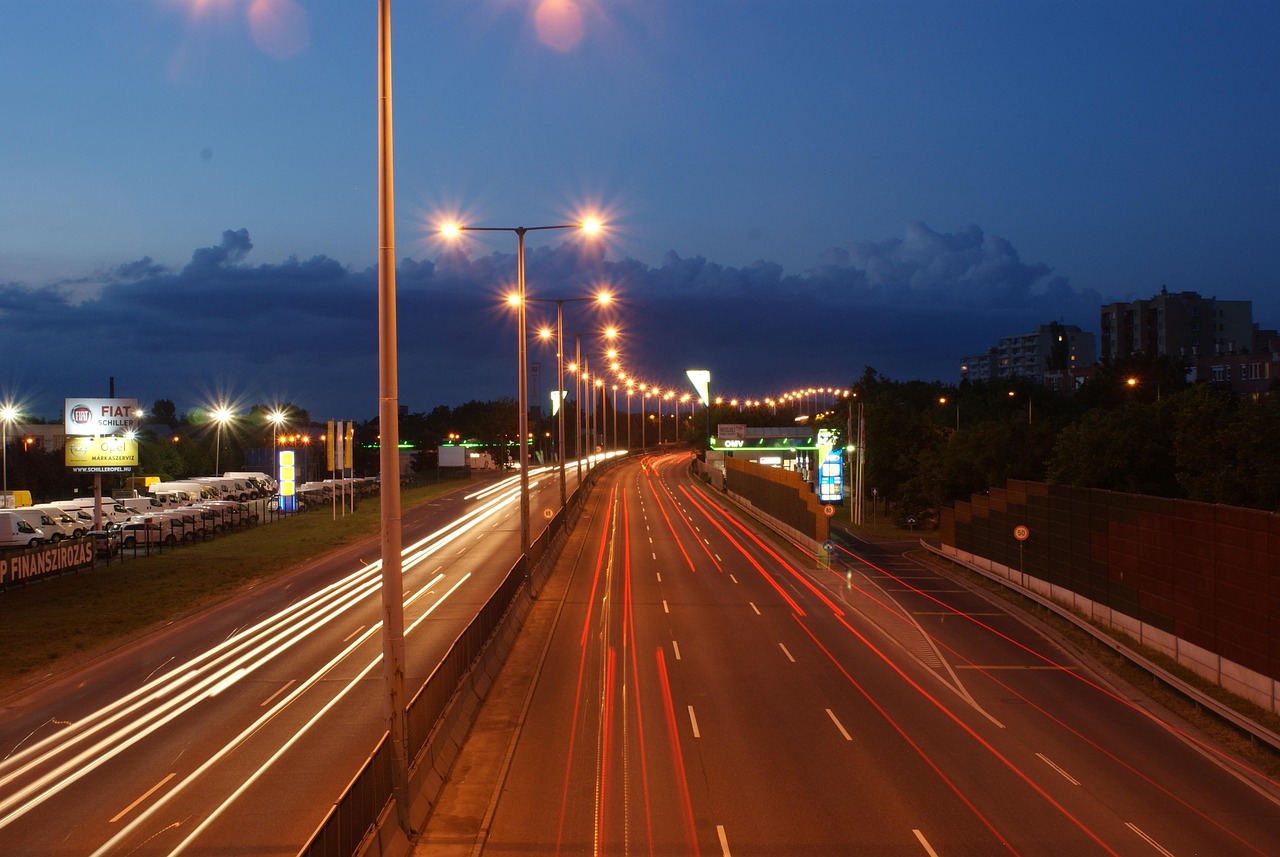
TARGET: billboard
(101,454)
(94,417)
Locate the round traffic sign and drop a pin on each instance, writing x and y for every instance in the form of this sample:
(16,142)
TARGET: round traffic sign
(828,510)
(1021,532)
(548,514)
(829,546)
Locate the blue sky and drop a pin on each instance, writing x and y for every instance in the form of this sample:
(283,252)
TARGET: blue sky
(795,189)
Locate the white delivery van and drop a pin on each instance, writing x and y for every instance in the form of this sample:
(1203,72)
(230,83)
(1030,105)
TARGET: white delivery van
(17,533)
(71,525)
(51,526)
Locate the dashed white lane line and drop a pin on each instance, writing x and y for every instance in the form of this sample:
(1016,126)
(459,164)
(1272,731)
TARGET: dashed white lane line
(783,646)
(148,793)
(731,577)
(1064,774)
(1147,839)
(924,843)
(839,725)
(675,647)
(665,608)
(754,607)
(693,720)
(724,841)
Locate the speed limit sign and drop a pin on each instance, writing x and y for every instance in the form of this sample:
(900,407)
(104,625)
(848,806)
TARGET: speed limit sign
(1021,532)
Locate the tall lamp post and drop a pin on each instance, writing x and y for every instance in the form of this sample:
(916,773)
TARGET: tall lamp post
(589,226)
(221,415)
(393,667)
(8,413)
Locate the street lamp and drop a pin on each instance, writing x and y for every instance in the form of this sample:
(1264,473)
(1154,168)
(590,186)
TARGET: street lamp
(8,413)
(220,415)
(590,226)
(277,418)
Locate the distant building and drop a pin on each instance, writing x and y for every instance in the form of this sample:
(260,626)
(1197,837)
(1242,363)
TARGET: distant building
(1057,350)
(1217,340)
(1182,324)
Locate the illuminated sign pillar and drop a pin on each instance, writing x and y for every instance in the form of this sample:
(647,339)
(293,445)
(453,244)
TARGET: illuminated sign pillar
(287,476)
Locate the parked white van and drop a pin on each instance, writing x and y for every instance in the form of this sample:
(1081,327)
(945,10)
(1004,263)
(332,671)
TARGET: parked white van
(52,527)
(17,533)
(72,526)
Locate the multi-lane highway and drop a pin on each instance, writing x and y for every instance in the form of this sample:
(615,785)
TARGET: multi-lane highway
(707,692)
(233,731)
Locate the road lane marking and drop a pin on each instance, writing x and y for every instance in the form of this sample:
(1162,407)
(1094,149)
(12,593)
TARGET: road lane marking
(1064,774)
(1028,667)
(1148,839)
(352,635)
(148,793)
(754,607)
(783,646)
(731,577)
(659,577)
(675,647)
(928,849)
(839,725)
(693,719)
(665,608)
(287,685)
(724,841)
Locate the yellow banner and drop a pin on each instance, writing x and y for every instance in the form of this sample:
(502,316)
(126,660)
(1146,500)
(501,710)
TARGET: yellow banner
(95,452)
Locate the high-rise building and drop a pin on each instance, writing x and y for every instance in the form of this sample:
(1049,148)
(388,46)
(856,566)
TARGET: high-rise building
(1182,324)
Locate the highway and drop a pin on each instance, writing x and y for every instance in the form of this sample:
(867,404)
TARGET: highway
(234,730)
(707,691)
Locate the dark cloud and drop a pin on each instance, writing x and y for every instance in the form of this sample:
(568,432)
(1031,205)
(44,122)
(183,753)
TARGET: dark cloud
(305,330)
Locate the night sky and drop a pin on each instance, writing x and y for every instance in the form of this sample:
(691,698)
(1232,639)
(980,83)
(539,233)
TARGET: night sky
(793,190)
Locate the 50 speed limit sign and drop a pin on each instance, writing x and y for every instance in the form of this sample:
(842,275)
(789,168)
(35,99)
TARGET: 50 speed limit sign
(1021,532)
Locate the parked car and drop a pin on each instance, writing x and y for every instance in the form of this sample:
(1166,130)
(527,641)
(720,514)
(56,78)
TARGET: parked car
(135,532)
(106,542)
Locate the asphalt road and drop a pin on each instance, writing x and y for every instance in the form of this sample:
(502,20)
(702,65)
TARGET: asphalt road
(706,691)
(233,731)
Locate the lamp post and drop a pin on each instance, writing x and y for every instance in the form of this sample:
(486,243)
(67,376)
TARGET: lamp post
(8,413)
(589,226)
(659,397)
(601,298)
(615,417)
(393,667)
(644,394)
(630,392)
(221,415)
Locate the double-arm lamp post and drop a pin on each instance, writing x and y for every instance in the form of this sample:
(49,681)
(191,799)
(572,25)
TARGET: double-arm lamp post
(589,226)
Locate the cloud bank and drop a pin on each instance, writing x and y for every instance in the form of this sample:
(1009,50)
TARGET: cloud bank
(305,330)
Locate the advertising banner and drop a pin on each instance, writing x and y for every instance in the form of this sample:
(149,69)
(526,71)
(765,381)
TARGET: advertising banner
(94,417)
(101,454)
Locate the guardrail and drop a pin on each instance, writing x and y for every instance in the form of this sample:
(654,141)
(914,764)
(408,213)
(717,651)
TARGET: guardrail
(365,804)
(1200,698)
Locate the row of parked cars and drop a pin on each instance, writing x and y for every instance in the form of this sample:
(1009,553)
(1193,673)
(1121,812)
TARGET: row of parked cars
(177,512)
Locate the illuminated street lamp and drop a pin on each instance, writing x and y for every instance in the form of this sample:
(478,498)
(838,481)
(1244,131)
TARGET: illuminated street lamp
(277,418)
(8,413)
(220,415)
(590,226)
